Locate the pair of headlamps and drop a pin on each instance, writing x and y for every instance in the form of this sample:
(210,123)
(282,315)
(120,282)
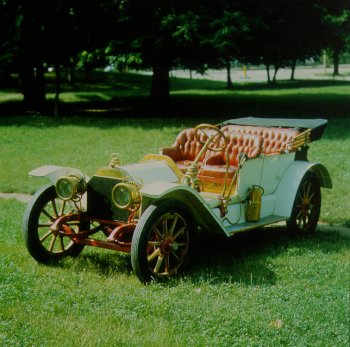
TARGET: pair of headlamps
(125,195)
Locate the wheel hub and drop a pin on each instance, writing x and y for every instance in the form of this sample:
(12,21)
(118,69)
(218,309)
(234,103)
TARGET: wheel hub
(304,206)
(168,245)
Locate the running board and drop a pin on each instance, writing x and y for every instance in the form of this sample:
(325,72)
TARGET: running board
(232,229)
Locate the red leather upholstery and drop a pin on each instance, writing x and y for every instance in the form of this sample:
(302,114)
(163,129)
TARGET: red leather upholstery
(185,148)
(248,144)
(275,140)
(238,143)
(217,171)
(249,140)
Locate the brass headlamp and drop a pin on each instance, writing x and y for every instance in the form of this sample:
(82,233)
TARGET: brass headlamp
(70,187)
(126,195)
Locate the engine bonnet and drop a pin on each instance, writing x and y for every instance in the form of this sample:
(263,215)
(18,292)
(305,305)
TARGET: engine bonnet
(147,172)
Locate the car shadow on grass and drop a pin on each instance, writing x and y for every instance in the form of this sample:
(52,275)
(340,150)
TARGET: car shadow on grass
(101,262)
(246,258)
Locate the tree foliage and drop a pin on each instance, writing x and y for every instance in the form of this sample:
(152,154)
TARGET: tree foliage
(161,35)
(336,25)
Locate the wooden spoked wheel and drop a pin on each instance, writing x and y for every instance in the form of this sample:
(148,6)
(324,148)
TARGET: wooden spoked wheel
(162,241)
(44,237)
(307,205)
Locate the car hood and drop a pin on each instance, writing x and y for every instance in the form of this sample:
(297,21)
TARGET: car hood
(148,172)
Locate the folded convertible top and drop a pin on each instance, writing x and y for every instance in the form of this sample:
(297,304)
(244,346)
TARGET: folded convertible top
(317,125)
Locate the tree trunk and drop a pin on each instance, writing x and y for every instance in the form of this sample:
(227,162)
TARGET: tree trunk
(5,78)
(335,62)
(71,72)
(58,89)
(276,68)
(228,69)
(26,78)
(293,66)
(160,87)
(40,93)
(268,73)
(32,80)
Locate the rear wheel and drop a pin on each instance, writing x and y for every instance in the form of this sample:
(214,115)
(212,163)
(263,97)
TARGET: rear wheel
(307,205)
(162,242)
(44,242)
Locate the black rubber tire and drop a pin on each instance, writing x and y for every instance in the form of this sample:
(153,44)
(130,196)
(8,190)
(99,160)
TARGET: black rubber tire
(307,205)
(41,200)
(145,233)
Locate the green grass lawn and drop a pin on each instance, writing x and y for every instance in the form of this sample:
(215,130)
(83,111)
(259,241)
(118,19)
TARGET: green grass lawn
(263,288)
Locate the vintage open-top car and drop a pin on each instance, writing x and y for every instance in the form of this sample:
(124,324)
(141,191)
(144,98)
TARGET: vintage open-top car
(242,174)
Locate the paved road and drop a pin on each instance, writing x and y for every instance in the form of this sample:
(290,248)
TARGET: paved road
(255,75)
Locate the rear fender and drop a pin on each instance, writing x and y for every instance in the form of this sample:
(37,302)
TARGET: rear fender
(201,212)
(289,184)
(53,172)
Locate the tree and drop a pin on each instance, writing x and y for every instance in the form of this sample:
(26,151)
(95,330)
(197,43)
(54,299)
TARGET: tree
(8,35)
(281,32)
(230,28)
(302,32)
(39,33)
(31,45)
(263,43)
(162,33)
(336,21)
(77,33)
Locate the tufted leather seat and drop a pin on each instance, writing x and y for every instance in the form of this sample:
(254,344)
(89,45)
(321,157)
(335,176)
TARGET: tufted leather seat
(185,149)
(275,140)
(238,143)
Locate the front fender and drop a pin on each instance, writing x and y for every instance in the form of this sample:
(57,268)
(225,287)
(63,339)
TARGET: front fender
(201,211)
(54,172)
(289,184)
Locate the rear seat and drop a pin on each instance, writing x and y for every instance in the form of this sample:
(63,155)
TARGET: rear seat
(238,143)
(275,140)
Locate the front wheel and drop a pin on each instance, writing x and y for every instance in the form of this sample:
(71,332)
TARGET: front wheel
(162,242)
(307,205)
(44,242)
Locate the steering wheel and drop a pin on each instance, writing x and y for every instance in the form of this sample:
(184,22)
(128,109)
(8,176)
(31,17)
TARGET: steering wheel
(215,145)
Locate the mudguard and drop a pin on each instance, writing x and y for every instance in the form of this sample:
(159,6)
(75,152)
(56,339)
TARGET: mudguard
(199,208)
(288,186)
(54,172)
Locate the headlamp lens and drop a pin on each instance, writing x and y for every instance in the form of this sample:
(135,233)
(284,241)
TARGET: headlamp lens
(122,196)
(65,188)
(126,195)
(70,187)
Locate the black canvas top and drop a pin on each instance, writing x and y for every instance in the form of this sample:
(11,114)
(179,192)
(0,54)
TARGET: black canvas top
(317,125)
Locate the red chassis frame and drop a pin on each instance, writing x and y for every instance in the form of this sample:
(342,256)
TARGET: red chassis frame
(118,234)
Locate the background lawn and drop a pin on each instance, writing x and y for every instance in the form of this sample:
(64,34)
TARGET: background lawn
(116,94)
(261,288)
(264,288)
